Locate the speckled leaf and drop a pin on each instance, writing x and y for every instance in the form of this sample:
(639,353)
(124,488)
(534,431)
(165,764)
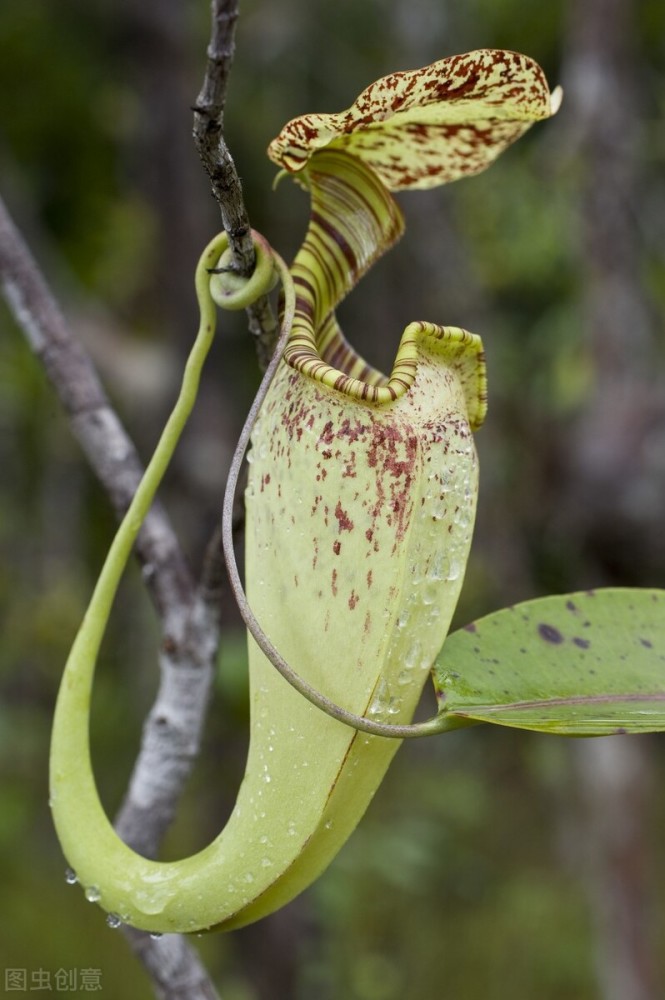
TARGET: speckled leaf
(586,664)
(428,126)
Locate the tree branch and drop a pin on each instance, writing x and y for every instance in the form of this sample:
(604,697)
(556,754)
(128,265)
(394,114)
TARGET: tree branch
(209,135)
(209,139)
(168,962)
(94,423)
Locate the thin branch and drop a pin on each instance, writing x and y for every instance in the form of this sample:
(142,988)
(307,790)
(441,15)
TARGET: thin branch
(94,423)
(168,962)
(208,134)
(171,736)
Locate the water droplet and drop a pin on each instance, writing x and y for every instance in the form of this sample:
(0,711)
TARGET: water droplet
(155,935)
(92,894)
(263,840)
(151,901)
(248,877)
(328,825)
(412,658)
(463,520)
(403,618)
(379,703)
(113,920)
(266,863)
(405,677)
(454,570)
(71,878)
(438,567)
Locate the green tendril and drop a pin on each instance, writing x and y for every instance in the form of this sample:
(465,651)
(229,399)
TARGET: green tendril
(70,730)
(226,292)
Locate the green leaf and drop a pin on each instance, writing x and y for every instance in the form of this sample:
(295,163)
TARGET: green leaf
(585,664)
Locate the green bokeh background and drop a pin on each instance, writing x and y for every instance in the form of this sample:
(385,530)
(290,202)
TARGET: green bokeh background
(469,876)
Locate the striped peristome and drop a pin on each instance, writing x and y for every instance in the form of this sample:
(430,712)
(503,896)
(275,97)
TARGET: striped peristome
(353,221)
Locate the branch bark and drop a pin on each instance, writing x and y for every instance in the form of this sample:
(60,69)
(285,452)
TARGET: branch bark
(94,423)
(168,962)
(209,139)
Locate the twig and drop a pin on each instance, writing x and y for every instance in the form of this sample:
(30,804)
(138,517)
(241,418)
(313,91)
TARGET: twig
(168,963)
(95,424)
(208,134)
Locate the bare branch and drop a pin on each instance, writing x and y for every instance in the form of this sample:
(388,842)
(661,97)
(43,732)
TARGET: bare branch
(209,135)
(174,967)
(94,423)
(209,139)
(172,731)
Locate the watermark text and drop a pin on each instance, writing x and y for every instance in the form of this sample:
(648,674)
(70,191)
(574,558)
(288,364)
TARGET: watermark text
(40,980)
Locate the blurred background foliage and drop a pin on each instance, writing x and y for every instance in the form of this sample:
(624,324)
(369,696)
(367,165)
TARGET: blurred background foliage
(490,863)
